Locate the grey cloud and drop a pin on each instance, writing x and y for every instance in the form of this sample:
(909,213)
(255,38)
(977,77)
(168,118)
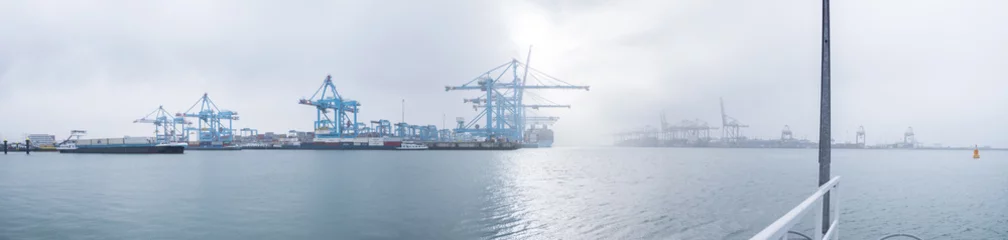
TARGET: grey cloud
(117,60)
(933,65)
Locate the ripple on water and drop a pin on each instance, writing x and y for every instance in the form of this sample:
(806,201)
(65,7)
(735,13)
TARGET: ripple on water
(560,193)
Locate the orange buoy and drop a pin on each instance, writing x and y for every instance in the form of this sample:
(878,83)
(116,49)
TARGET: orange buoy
(976,152)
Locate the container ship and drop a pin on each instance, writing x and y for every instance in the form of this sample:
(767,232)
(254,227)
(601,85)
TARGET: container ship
(135,145)
(538,138)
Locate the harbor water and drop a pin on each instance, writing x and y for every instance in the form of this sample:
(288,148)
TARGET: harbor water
(556,193)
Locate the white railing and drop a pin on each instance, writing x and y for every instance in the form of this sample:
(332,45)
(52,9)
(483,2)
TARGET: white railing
(779,229)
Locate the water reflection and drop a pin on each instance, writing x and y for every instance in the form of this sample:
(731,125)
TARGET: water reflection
(560,193)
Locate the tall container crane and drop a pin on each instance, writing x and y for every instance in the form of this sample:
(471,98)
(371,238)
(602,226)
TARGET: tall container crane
(731,128)
(251,132)
(336,116)
(383,127)
(503,101)
(165,125)
(214,126)
(859,139)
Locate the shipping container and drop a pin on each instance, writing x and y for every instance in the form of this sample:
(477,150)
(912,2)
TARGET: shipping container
(136,140)
(115,141)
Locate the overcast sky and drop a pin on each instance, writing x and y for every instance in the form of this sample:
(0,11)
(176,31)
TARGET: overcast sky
(98,65)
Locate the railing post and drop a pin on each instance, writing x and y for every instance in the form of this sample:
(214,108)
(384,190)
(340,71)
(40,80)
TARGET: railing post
(819,216)
(780,228)
(836,208)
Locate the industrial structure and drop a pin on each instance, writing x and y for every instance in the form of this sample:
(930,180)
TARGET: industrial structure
(786,134)
(42,139)
(503,105)
(686,133)
(332,111)
(696,133)
(165,125)
(214,126)
(338,126)
(859,139)
(336,117)
(909,140)
(731,131)
(251,132)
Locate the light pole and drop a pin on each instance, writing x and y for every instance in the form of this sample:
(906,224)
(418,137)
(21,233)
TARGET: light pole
(824,116)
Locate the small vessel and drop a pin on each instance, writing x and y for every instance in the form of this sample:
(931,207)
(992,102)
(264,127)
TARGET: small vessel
(976,152)
(412,146)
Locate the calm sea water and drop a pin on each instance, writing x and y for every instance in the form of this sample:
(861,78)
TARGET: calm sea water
(559,193)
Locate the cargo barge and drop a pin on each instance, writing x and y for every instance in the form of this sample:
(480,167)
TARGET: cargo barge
(358,143)
(121,145)
(216,146)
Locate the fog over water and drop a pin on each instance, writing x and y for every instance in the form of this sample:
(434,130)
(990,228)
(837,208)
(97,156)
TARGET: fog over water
(98,65)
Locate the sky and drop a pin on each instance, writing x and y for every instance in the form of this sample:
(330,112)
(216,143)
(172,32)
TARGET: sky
(98,65)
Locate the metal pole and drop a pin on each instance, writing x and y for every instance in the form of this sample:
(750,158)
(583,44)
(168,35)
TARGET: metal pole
(824,116)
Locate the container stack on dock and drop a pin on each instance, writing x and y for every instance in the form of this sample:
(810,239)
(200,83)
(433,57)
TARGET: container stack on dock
(337,128)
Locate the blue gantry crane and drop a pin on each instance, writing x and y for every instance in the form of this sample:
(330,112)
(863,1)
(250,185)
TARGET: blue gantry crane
(542,121)
(165,125)
(383,127)
(337,117)
(503,102)
(402,130)
(211,120)
(251,132)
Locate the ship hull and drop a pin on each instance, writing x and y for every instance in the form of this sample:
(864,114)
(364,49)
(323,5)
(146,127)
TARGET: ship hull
(128,149)
(474,146)
(215,148)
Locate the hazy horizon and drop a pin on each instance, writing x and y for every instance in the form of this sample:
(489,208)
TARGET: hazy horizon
(931,65)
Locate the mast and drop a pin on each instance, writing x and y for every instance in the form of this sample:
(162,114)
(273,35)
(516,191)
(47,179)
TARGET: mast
(824,116)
